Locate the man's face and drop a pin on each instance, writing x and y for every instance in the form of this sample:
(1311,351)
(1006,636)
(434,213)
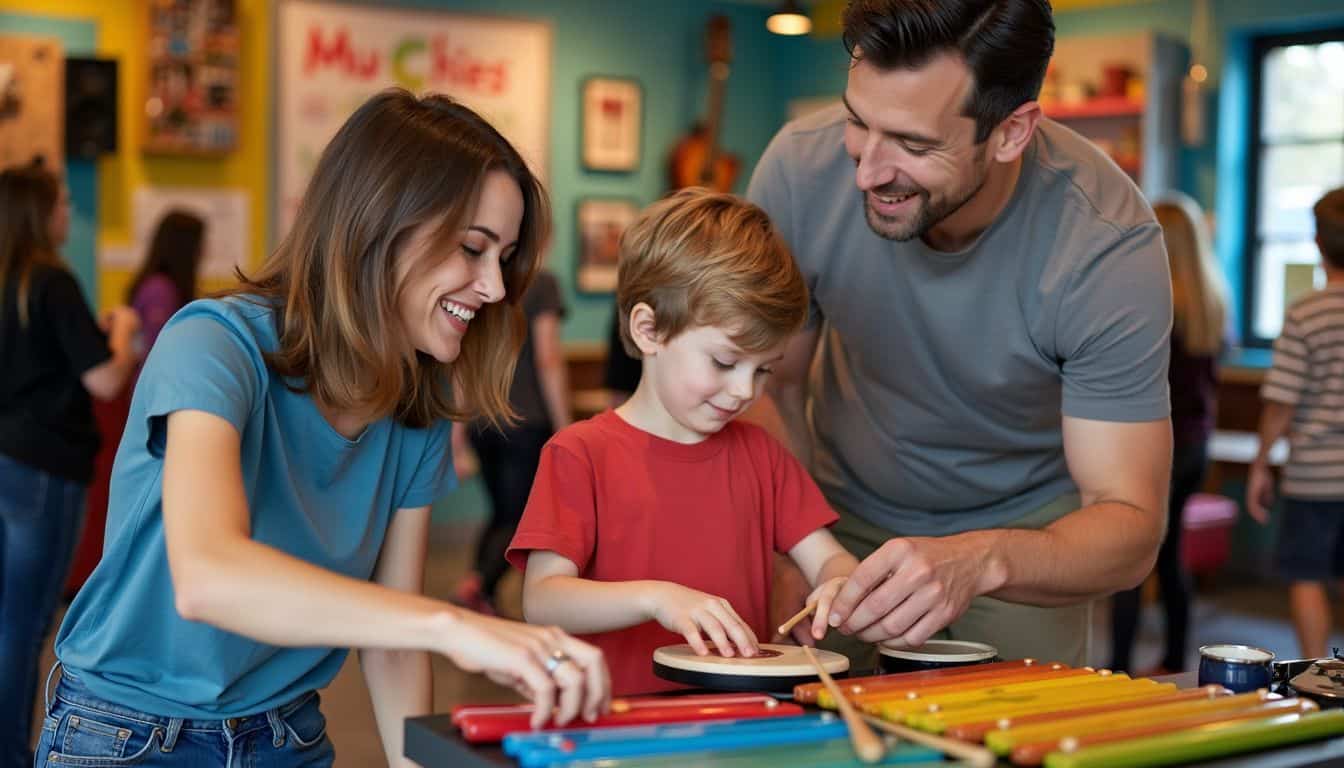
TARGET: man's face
(917,159)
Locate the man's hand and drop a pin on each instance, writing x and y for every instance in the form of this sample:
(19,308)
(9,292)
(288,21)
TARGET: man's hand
(911,588)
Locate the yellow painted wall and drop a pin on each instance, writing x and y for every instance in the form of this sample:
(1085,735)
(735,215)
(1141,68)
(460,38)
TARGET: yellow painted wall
(122,35)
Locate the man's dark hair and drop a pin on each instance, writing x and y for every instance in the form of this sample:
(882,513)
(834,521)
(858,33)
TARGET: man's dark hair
(1005,43)
(1329,212)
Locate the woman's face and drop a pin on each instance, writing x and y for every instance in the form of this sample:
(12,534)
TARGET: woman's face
(58,226)
(442,287)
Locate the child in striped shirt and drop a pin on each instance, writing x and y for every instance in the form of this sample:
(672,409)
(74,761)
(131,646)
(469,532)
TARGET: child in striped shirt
(1303,396)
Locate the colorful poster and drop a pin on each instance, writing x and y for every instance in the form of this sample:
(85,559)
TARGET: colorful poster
(333,56)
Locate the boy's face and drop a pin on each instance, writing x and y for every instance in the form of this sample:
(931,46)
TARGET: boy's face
(703,380)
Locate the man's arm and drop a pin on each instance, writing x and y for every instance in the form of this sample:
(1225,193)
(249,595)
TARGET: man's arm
(911,588)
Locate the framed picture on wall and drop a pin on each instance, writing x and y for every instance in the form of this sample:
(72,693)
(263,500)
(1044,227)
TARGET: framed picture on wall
(613,116)
(601,221)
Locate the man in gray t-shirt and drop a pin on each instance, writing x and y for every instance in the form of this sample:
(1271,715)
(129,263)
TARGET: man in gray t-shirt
(982,390)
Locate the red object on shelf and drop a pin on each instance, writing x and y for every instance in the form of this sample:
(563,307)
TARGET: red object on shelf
(1207,523)
(490,723)
(1095,108)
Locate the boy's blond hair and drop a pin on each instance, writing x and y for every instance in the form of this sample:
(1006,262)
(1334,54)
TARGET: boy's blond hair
(702,258)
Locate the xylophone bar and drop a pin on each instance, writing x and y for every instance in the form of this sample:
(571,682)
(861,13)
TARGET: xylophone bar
(808,692)
(1034,754)
(1003,741)
(1205,743)
(836,753)
(968,683)
(976,731)
(485,724)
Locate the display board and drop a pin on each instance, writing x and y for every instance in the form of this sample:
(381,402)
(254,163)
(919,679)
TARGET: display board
(332,56)
(32,101)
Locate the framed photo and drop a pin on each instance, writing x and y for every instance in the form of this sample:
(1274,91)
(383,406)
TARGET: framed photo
(194,74)
(613,116)
(601,221)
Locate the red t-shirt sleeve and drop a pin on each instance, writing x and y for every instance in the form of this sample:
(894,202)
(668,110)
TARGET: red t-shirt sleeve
(799,506)
(561,511)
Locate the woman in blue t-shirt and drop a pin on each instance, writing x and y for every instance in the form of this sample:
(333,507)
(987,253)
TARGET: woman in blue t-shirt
(270,500)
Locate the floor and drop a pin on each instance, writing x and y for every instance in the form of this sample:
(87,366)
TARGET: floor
(1255,614)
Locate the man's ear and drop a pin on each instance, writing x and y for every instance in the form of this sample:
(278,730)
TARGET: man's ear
(1009,140)
(643,330)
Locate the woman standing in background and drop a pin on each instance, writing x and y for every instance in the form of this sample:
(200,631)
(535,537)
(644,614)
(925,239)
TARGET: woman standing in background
(166,281)
(509,455)
(1198,326)
(54,356)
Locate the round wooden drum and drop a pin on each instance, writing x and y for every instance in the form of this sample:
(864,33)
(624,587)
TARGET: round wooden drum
(777,669)
(935,654)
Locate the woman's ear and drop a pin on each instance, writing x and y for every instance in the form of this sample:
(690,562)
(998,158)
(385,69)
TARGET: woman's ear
(643,330)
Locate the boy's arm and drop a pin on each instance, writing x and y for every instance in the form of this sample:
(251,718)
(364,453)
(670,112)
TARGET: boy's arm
(1275,419)
(553,593)
(826,565)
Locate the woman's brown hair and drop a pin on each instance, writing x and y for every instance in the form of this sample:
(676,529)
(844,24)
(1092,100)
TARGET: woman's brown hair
(1199,303)
(28,198)
(397,163)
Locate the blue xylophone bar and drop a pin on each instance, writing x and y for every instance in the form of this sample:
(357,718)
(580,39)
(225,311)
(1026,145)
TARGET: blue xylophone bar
(835,753)
(544,750)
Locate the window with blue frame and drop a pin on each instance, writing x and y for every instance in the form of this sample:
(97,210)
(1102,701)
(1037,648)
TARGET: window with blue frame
(1297,135)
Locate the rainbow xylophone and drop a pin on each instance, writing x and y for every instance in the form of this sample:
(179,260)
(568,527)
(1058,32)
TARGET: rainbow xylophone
(1034,713)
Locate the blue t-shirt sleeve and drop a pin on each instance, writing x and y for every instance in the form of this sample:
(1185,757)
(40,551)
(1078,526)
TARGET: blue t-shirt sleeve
(433,477)
(200,363)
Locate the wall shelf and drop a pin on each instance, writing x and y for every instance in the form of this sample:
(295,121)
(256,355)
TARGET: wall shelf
(1095,109)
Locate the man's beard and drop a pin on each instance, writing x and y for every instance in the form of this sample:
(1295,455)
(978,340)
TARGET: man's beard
(928,215)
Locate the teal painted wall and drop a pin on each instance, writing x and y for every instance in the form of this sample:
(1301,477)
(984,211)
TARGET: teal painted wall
(79,38)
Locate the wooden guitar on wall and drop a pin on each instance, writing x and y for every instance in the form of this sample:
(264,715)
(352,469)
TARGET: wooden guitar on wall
(697,160)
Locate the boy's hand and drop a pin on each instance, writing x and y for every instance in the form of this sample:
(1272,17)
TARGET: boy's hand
(809,633)
(690,613)
(1259,491)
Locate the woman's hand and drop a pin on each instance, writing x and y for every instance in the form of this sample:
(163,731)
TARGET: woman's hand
(559,674)
(689,613)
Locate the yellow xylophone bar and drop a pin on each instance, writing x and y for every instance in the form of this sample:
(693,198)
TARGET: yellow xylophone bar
(931,691)
(976,731)
(1034,753)
(961,700)
(1003,742)
(938,722)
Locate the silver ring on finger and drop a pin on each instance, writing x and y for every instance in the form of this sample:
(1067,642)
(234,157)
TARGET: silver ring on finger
(554,661)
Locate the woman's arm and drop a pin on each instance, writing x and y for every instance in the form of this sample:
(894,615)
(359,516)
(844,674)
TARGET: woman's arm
(553,593)
(106,380)
(549,355)
(223,578)
(401,683)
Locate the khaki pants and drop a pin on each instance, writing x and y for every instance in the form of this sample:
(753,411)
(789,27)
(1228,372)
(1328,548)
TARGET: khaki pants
(1018,631)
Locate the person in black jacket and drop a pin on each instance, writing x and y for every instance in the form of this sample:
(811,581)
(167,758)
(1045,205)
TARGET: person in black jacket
(54,356)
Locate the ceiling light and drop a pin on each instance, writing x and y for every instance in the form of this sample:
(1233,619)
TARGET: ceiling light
(789,20)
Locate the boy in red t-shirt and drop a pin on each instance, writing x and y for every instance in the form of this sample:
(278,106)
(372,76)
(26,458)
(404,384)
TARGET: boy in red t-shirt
(659,521)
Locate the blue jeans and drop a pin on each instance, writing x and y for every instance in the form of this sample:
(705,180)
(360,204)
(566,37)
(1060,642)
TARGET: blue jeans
(40,517)
(82,730)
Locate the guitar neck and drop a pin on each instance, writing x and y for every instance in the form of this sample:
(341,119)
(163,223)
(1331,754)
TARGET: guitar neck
(718,79)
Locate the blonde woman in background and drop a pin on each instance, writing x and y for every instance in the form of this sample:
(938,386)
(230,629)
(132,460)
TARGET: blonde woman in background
(1198,326)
